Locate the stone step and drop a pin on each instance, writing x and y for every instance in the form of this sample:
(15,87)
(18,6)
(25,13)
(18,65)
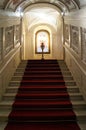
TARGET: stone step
(42,70)
(82,125)
(16,78)
(76,96)
(81,115)
(73,89)
(6,105)
(41,67)
(17,83)
(4,115)
(15,89)
(21,73)
(73,96)
(2,125)
(77,105)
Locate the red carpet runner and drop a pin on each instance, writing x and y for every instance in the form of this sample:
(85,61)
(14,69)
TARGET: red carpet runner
(42,101)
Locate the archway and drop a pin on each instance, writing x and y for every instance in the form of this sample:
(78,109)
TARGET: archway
(49,20)
(42,37)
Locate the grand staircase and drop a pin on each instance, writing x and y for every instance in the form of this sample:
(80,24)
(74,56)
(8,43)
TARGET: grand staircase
(46,72)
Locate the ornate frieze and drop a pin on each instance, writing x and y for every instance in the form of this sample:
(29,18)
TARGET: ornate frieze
(75,38)
(1,42)
(67,33)
(83,43)
(17,34)
(9,39)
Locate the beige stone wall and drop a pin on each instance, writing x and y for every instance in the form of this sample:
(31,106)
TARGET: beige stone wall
(75,46)
(9,48)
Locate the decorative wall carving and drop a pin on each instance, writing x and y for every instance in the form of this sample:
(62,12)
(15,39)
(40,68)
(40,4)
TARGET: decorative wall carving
(83,42)
(75,38)
(67,33)
(17,34)
(1,42)
(9,39)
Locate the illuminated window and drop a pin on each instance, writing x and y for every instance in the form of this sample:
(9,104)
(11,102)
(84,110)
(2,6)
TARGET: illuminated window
(42,37)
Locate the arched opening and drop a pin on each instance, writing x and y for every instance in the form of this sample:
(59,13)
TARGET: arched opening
(43,18)
(42,36)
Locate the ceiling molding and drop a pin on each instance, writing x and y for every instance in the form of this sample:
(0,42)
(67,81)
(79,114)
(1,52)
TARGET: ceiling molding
(59,3)
(42,4)
(53,3)
(77,3)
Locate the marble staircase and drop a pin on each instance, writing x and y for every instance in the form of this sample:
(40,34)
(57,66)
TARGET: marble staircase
(79,105)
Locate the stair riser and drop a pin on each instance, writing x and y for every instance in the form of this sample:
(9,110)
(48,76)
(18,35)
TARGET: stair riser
(79,107)
(9,107)
(72,90)
(70,83)
(14,90)
(15,83)
(41,69)
(8,98)
(73,98)
(5,108)
(22,73)
(43,83)
(81,118)
(76,98)
(3,119)
(36,78)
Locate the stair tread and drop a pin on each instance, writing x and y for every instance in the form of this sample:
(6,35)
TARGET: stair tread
(42,113)
(71,94)
(16,87)
(48,81)
(80,112)
(73,102)
(33,76)
(79,102)
(3,125)
(10,103)
(6,103)
(4,113)
(40,102)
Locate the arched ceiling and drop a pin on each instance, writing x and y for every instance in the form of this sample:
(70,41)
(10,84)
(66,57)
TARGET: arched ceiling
(49,9)
(42,16)
(62,5)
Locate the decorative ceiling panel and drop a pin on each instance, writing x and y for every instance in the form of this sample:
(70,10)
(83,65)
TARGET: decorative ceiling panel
(67,4)
(1,4)
(44,15)
(62,4)
(58,4)
(70,4)
(83,3)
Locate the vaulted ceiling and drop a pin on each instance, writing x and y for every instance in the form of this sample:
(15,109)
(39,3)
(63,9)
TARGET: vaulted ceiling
(41,11)
(62,5)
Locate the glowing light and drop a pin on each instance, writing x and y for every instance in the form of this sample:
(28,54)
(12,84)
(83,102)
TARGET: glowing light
(43,15)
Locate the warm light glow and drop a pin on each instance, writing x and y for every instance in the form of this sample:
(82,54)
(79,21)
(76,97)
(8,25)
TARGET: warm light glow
(42,37)
(43,15)
(19,12)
